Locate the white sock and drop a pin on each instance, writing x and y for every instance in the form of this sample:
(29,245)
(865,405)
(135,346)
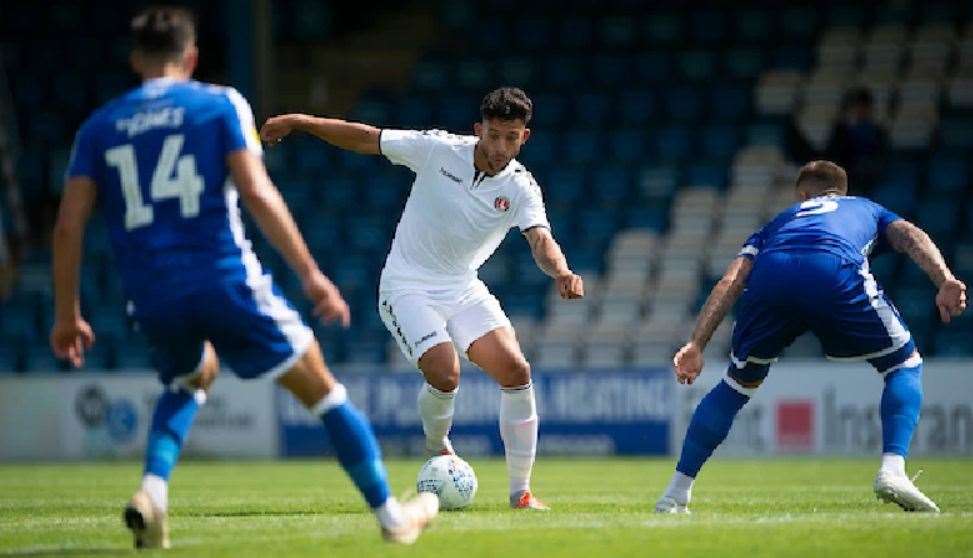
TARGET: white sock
(158,490)
(680,488)
(893,463)
(389,514)
(518,428)
(436,409)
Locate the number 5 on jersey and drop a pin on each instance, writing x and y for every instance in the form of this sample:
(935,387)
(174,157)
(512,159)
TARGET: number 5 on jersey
(174,177)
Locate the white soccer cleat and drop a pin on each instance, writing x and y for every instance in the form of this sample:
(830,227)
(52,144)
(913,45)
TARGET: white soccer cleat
(148,523)
(668,504)
(898,489)
(416,515)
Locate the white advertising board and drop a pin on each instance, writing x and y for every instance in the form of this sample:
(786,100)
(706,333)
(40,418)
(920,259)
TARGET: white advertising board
(87,415)
(823,407)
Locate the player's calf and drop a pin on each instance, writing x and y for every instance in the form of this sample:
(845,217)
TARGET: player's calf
(355,445)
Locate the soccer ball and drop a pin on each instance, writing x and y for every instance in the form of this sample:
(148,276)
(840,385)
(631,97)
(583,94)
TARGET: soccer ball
(451,479)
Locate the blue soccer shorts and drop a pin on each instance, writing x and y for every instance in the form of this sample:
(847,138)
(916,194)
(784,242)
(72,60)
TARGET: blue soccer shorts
(839,301)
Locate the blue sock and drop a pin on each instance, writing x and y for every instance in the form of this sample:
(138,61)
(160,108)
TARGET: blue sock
(174,414)
(901,402)
(709,427)
(358,451)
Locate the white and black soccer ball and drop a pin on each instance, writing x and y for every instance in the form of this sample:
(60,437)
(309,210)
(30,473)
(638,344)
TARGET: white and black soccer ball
(451,479)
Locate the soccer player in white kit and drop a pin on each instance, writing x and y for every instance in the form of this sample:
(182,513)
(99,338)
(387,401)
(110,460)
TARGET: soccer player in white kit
(468,192)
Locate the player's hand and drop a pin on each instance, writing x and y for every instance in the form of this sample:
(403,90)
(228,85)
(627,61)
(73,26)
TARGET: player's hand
(329,305)
(951,299)
(277,128)
(688,363)
(570,286)
(70,339)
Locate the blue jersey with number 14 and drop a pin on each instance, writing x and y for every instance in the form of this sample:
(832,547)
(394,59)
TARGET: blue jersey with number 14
(158,157)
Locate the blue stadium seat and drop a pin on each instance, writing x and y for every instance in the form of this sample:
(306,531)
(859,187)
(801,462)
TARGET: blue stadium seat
(847,15)
(684,104)
(651,218)
(957,133)
(474,74)
(494,34)
(659,182)
(720,142)
(540,150)
(654,66)
(592,109)
(565,186)
(431,75)
(534,33)
(744,63)
(517,71)
(674,143)
(898,197)
(708,26)
(458,114)
(753,26)
(730,104)
(611,185)
(798,23)
(564,72)
(707,175)
(765,134)
(550,110)
(627,145)
(582,146)
(610,71)
(699,65)
(948,175)
(414,112)
(617,32)
(576,33)
(793,58)
(665,28)
(939,217)
(636,107)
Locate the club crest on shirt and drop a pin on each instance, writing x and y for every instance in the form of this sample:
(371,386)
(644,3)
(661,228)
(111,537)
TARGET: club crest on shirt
(501,204)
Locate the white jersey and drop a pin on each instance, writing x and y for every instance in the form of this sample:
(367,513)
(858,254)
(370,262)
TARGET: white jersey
(456,216)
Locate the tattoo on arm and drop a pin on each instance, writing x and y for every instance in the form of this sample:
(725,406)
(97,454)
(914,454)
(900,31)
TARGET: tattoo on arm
(720,300)
(547,254)
(909,239)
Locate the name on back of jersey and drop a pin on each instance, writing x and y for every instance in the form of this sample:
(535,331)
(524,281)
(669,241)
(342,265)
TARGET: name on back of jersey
(140,122)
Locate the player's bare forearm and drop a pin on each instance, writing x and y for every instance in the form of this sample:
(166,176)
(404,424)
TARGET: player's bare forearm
(909,239)
(265,204)
(351,136)
(547,254)
(67,245)
(721,299)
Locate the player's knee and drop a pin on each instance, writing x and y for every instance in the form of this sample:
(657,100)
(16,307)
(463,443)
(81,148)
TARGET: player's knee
(440,367)
(518,373)
(750,376)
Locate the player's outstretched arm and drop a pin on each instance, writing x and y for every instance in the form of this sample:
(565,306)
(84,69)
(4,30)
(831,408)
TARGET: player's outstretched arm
(71,335)
(550,259)
(688,361)
(909,239)
(352,136)
(264,202)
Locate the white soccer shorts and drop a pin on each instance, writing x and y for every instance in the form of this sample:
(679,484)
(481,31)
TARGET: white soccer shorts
(421,320)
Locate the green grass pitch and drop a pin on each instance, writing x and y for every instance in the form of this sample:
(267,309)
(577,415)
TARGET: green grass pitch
(601,507)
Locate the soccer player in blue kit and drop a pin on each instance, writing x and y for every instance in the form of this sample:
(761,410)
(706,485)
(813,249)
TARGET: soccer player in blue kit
(168,162)
(807,270)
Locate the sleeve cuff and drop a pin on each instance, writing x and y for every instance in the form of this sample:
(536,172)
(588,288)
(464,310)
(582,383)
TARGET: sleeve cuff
(749,252)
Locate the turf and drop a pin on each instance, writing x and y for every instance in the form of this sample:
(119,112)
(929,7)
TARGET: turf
(819,507)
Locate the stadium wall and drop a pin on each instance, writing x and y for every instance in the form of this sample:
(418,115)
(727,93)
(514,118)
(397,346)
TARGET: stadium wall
(803,408)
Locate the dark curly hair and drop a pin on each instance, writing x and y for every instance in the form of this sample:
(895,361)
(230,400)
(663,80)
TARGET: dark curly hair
(507,103)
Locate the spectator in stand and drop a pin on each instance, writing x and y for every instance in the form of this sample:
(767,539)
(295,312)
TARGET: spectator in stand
(858,142)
